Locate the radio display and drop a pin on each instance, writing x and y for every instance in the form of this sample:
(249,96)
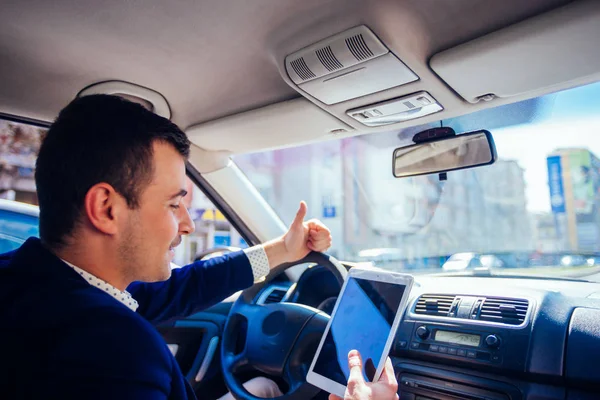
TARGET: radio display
(457,338)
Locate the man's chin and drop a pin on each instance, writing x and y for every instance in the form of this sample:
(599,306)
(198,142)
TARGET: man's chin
(166,272)
(163,275)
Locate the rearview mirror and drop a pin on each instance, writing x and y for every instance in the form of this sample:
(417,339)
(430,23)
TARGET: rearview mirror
(451,153)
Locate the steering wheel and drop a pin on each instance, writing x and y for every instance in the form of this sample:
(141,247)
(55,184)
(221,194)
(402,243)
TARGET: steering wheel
(215,251)
(278,339)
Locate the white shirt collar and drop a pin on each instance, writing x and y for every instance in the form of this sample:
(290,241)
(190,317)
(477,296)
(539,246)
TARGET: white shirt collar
(123,297)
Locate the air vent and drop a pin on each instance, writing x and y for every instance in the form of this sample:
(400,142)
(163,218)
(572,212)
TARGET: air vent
(358,47)
(328,59)
(272,295)
(504,311)
(434,304)
(301,69)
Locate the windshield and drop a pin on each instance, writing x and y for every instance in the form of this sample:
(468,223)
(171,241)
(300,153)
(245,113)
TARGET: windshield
(534,212)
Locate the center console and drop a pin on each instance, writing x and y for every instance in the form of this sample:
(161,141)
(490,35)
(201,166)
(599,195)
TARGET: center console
(493,347)
(459,336)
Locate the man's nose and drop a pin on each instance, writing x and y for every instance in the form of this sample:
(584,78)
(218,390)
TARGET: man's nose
(186,224)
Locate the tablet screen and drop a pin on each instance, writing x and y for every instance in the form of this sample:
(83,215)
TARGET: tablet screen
(362,321)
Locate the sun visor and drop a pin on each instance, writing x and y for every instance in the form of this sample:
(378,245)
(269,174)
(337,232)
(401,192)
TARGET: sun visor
(288,123)
(555,49)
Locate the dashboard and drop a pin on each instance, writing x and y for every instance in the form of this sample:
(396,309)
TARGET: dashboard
(482,337)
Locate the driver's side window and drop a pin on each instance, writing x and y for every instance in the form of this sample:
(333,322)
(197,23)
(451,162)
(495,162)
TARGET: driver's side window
(212,229)
(19,146)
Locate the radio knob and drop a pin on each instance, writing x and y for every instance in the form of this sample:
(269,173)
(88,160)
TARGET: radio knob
(492,341)
(423,332)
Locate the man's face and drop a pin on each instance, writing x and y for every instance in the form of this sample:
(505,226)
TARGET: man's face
(152,230)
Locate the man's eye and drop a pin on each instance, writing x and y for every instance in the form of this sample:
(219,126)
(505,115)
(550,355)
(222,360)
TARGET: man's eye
(175,206)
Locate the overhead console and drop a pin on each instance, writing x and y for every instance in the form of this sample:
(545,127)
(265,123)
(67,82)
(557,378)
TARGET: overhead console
(353,64)
(348,65)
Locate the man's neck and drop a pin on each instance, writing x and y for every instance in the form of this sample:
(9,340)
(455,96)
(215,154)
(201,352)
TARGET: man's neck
(99,266)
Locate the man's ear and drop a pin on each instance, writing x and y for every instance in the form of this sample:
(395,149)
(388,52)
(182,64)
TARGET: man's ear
(103,206)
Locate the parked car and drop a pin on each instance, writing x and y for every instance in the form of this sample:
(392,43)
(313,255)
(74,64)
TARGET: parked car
(470,261)
(593,261)
(18,221)
(573,260)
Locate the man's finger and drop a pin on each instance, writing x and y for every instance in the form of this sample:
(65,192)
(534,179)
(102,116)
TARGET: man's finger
(319,245)
(355,365)
(319,234)
(334,397)
(319,238)
(299,219)
(316,225)
(387,375)
(322,243)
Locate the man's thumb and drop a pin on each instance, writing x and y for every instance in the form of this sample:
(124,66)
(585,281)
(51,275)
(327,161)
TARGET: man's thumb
(299,219)
(356,366)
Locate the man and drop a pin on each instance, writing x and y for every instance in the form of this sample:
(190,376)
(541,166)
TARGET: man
(79,304)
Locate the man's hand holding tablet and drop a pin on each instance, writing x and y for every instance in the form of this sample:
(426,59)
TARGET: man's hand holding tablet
(363,323)
(385,388)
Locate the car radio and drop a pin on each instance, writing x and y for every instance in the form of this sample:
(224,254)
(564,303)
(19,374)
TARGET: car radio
(475,345)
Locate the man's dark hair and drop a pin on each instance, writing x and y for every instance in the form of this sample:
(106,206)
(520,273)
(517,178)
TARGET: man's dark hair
(96,139)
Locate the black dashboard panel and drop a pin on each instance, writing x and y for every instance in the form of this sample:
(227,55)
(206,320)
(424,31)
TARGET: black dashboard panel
(583,348)
(552,355)
(531,357)
(315,286)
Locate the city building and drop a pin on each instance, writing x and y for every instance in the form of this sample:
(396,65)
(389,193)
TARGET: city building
(19,145)
(574,183)
(545,234)
(349,185)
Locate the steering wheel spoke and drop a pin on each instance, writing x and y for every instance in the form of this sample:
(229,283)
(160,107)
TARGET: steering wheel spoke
(239,362)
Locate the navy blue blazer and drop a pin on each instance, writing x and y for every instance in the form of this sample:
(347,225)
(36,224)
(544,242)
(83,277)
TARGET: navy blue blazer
(62,338)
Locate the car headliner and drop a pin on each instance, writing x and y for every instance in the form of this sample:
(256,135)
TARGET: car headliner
(211,58)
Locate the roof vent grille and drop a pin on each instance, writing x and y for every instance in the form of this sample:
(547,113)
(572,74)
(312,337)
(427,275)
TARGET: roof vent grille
(328,59)
(301,69)
(358,47)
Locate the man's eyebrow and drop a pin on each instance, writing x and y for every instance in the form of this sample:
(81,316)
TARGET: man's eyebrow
(181,193)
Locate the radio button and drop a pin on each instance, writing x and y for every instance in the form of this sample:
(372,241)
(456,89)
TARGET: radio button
(452,351)
(423,332)
(496,358)
(492,341)
(434,347)
(402,344)
(471,354)
(443,349)
(415,345)
(461,352)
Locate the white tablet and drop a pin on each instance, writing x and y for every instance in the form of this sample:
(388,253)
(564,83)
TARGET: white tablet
(365,318)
